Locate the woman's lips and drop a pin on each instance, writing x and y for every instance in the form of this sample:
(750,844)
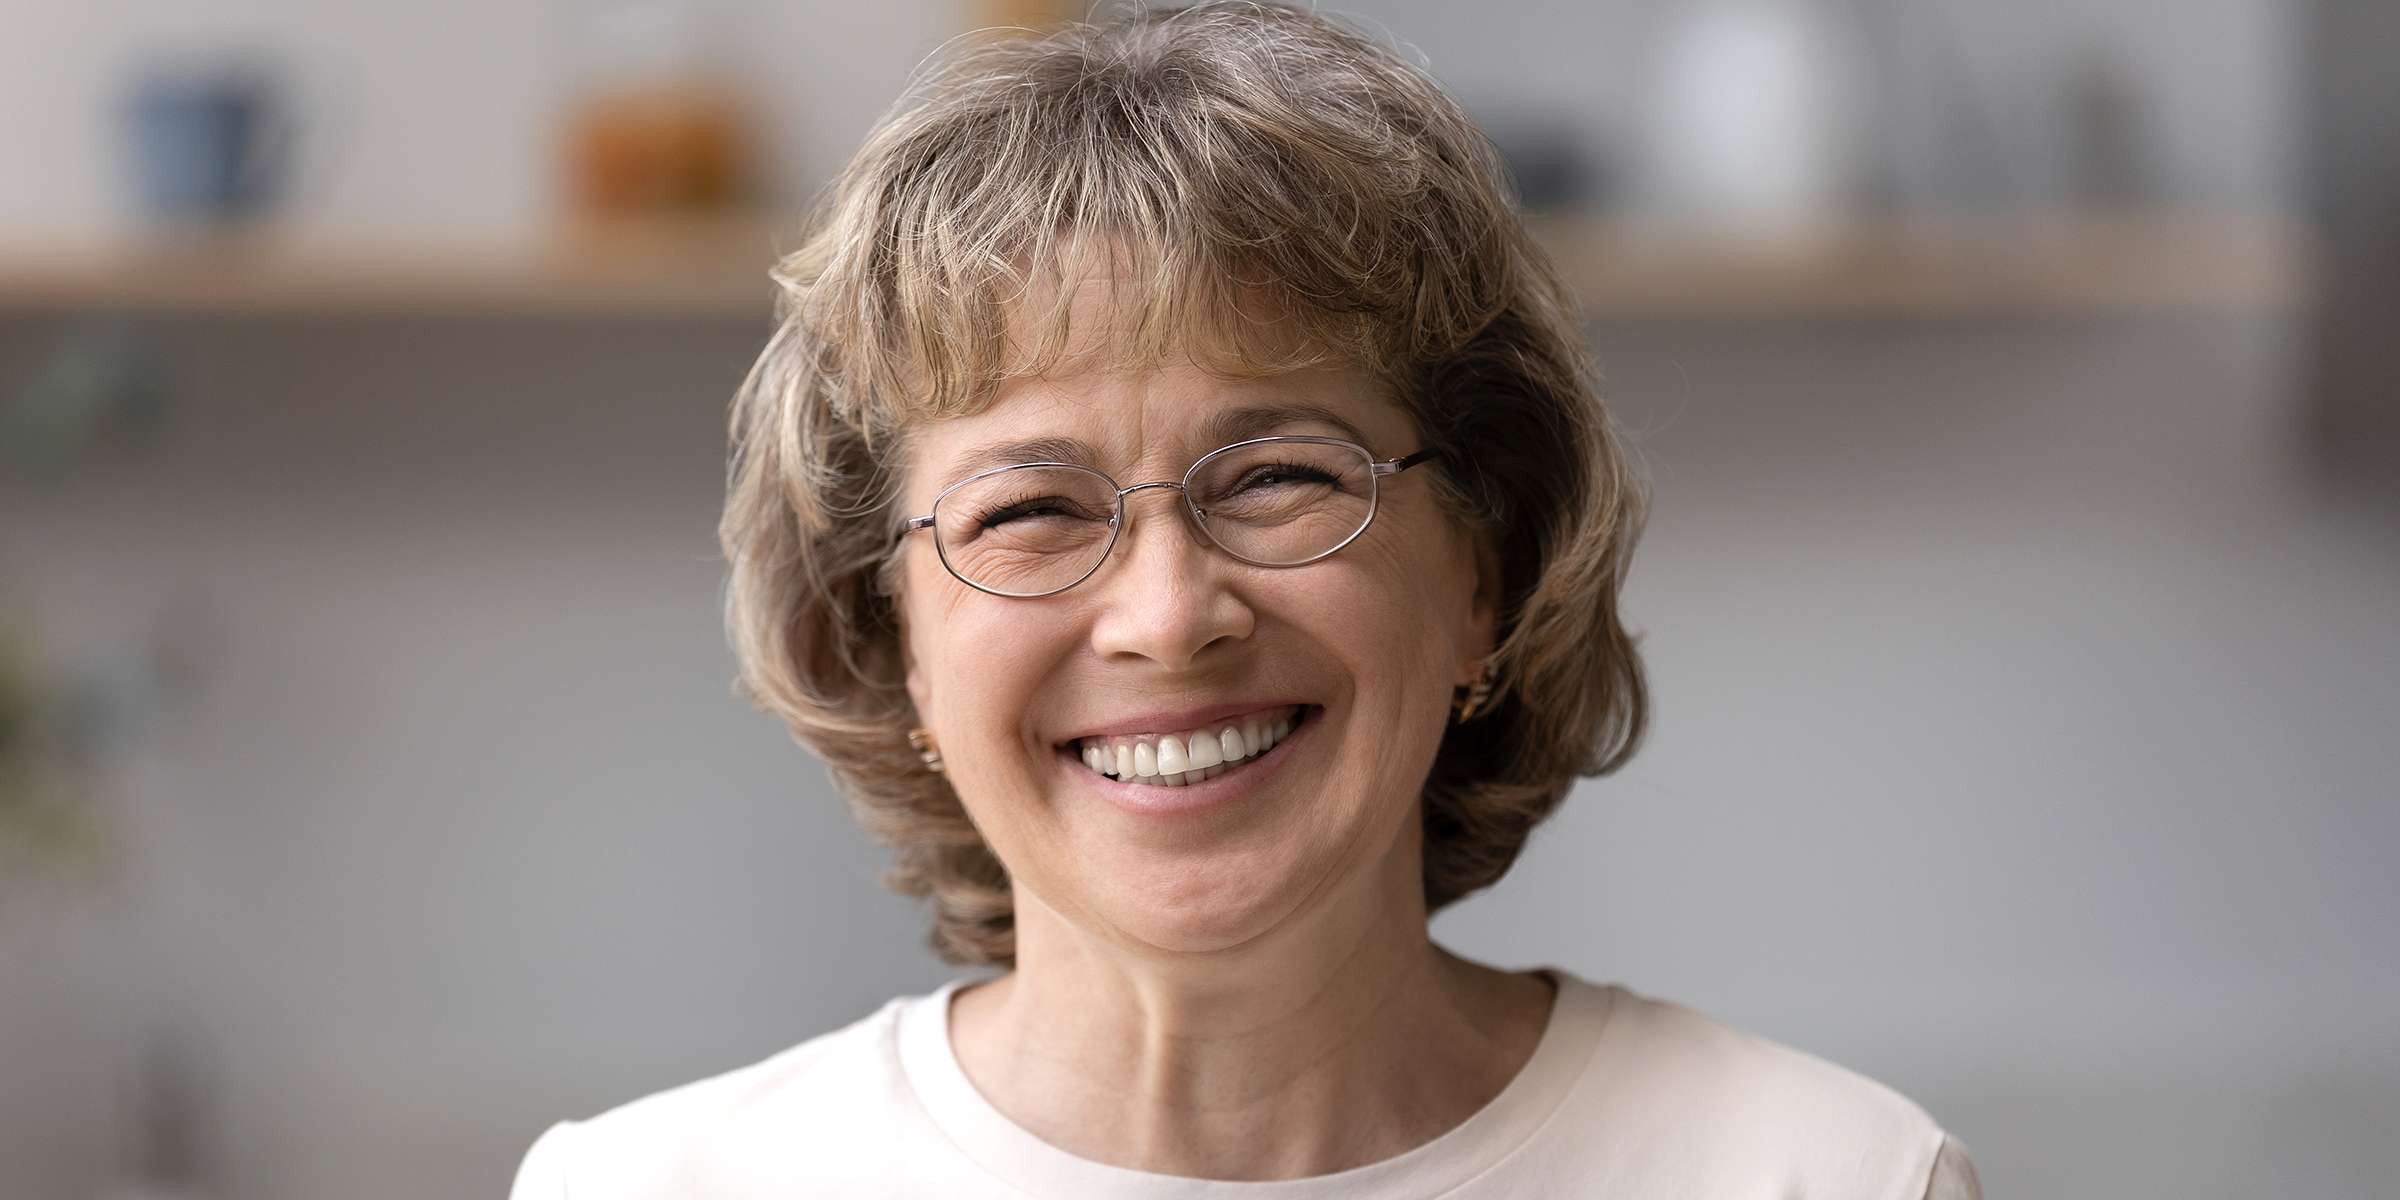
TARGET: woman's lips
(1187,756)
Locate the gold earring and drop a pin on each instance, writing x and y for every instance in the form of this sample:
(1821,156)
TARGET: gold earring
(1477,693)
(921,740)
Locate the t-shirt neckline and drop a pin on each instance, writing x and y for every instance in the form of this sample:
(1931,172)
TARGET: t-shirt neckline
(1016,1157)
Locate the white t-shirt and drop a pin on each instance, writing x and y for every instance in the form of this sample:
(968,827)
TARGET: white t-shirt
(1625,1097)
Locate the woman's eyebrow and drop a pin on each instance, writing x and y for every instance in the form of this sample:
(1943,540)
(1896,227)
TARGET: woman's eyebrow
(1028,450)
(1225,428)
(1242,424)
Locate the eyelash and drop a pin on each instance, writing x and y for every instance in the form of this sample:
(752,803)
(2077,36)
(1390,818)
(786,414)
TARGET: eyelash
(987,518)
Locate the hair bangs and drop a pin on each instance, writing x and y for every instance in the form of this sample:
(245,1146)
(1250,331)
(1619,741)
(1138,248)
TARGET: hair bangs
(1225,216)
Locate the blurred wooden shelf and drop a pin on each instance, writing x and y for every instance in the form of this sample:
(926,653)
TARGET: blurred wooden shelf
(685,268)
(1620,266)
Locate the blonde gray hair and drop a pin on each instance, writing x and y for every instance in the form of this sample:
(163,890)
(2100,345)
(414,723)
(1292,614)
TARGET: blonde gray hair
(1267,190)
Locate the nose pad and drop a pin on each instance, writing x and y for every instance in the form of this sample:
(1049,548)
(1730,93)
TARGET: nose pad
(1183,509)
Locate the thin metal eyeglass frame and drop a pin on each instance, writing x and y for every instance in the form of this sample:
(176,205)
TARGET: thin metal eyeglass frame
(1376,470)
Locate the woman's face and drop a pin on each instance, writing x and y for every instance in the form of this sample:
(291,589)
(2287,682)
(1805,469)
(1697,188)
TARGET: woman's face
(1360,652)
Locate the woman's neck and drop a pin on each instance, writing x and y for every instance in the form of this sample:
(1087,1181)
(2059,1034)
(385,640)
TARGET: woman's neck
(1340,1041)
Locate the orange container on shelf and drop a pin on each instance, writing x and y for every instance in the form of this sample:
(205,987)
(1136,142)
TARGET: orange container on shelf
(658,149)
(1024,14)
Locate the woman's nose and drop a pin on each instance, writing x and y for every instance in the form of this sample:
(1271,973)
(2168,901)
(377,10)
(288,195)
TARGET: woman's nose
(1163,589)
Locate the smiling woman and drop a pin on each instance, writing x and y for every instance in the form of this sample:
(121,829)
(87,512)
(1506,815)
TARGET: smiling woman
(1176,506)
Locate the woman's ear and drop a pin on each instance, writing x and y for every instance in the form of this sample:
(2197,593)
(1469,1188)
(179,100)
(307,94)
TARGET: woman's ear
(1483,616)
(920,690)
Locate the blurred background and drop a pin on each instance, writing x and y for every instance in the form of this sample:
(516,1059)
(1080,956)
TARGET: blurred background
(2020,382)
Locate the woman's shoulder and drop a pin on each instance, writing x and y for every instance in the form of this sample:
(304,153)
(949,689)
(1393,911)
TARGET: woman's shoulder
(838,1090)
(1665,1050)
(1677,1091)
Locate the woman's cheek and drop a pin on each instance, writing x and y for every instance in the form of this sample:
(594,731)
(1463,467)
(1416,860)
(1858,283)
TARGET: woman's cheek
(995,673)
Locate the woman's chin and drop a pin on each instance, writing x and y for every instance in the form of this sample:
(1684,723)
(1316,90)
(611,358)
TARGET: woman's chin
(1202,904)
(1214,932)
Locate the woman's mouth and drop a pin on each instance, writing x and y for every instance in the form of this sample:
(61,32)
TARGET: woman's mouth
(1173,759)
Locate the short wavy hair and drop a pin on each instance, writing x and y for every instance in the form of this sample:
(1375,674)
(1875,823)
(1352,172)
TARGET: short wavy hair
(1266,190)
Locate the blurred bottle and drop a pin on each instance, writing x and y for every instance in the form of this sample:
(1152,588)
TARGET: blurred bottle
(2113,166)
(1748,113)
(656,129)
(1548,155)
(208,141)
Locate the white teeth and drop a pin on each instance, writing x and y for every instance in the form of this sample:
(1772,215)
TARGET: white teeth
(1191,756)
(1205,750)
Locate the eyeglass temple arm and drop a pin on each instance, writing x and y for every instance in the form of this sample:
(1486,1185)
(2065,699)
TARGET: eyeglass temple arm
(917,523)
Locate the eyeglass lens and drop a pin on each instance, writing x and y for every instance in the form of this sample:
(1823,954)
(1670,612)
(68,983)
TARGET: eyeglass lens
(1032,530)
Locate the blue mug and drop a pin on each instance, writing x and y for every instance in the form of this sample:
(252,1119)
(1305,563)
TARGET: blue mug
(207,145)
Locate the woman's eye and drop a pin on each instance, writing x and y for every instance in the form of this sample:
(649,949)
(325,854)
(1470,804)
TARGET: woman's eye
(1281,475)
(1025,510)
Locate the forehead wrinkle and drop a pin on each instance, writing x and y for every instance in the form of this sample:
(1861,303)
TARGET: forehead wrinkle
(1262,420)
(1226,427)
(1017,451)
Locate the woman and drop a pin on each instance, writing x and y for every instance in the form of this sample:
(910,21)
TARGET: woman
(1176,506)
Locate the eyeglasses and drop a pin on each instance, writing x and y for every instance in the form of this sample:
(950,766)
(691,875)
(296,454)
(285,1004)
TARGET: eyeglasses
(1037,529)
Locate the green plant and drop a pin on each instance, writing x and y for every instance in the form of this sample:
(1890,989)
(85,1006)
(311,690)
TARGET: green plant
(48,819)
